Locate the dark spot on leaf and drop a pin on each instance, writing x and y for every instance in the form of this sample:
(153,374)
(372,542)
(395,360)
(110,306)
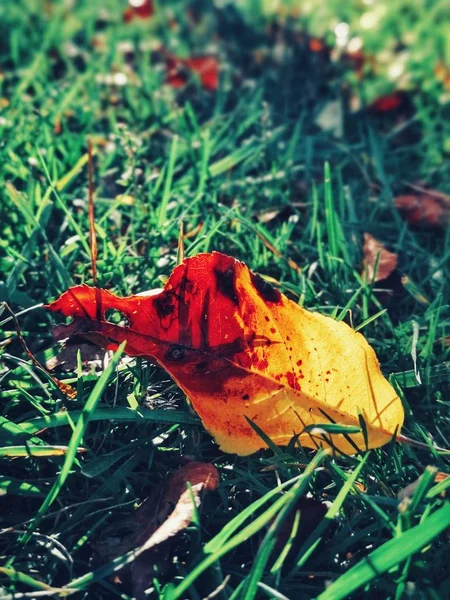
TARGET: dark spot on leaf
(164,305)
(292,381)
(264,289)
(245,397)
(202,367)
(226,283)
(176,353)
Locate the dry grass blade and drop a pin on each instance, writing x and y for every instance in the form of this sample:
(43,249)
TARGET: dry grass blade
(65,388)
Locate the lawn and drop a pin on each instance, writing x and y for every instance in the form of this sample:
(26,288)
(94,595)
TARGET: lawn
(295,136)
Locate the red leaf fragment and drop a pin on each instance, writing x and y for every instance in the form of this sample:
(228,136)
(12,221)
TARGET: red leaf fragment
(205,67)
(388,103)
(424,208)
(387,261)
(316,45)
(142,9)
(358,60)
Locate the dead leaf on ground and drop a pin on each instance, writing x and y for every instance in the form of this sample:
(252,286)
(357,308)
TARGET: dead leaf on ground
(389,102)
(164,514)
(424,208)
(179,71)
(376,256)
(242,352)
(317,45)
(303,518)
(406,493)
(141,9)
(442,72)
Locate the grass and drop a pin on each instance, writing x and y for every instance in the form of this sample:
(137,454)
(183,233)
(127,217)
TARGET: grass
(248,172)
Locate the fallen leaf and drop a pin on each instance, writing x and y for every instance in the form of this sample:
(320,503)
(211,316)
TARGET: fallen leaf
(167,512)
(142,9)
(441,476)
(407,492)
(205,67)
(442,73)
(317,45)
(311,514)
(424,207)
(376,255)
(330,118)
(389,102)
(241,350)
(358,60)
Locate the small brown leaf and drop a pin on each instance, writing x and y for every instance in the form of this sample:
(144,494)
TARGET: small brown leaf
(385,264)
(167,512)
(305,515)
(311,514)
(424,208)
(406,493)
(441,476)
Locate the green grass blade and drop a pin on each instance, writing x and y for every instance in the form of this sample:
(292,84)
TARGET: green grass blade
(35,451)
(270,538)
(389,555)
(14,487)
(120,414)
(75,440)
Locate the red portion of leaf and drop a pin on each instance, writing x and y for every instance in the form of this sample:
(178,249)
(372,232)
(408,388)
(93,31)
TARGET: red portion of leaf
(316,45)
(389,102)
(428,208)
(186,313)
(375,254)
(128,14)
(142,10)
(358,59)
(205,67)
